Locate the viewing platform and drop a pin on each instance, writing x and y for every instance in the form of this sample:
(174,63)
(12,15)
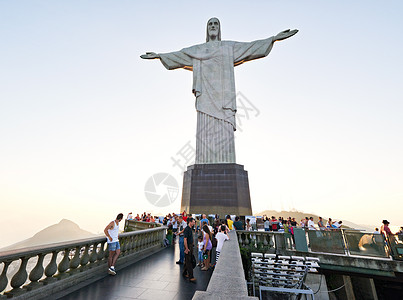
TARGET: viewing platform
(356,262)
(154,277)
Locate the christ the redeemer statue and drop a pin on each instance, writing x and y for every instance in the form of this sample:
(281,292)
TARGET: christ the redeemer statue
(213,65)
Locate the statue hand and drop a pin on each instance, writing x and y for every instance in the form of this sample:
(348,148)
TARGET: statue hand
(285,34)
(150,55)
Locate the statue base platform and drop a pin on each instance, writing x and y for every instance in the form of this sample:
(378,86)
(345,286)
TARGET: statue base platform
(221,189)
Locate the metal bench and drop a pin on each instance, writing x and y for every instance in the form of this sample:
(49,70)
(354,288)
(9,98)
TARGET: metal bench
(283,274)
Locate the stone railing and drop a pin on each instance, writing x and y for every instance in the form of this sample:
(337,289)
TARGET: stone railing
(69,265)
(228,279)
(274,242)
(133,225)
(343,242)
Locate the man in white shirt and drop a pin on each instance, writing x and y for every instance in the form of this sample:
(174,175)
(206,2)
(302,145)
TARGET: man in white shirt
(337,224)
(311,224)
(112,238)
(182,225)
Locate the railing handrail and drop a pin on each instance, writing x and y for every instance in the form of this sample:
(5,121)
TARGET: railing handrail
(392,252)
(143,222)
(68,264)
(35,250)
(259,231)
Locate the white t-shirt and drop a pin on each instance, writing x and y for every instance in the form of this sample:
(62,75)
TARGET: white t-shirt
(337,224)
(220,237)
(114,233)
(182,226)
(200,245)
(311,225)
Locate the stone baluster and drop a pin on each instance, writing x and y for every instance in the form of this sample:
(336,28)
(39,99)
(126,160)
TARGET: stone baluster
(101,253)
(246,239)
(107,252)
(75,261)
(136,243)
(51,269)
(240,242)
(140,242)
(64,264)
(130,244)
(36,273)
(265,237)
(94,254)
(258,240)
(144,241)
(272,238)
(85,258)
(19,278)
(3,276)
(123,246)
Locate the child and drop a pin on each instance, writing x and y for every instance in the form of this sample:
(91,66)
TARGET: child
(200,245)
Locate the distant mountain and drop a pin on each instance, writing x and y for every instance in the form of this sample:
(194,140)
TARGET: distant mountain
(65,230)
(298,215)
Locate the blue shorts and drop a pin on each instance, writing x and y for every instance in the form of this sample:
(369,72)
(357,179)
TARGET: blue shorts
(113,246)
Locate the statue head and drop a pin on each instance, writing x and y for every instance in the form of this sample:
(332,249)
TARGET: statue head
(213,30)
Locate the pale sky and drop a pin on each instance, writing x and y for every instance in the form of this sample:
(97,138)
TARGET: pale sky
(84,122)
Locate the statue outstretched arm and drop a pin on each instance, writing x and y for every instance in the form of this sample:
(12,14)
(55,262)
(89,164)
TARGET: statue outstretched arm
(258,49)
(172,60)
(284,35)
(150,55)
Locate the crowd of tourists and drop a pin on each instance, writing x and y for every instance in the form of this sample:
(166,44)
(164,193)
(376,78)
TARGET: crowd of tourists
(287,225)
(210,233)
(145,217)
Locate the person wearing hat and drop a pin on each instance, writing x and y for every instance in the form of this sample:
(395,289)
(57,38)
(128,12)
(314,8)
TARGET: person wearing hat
(385,230)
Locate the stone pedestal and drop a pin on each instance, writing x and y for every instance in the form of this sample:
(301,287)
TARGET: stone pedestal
(216,189)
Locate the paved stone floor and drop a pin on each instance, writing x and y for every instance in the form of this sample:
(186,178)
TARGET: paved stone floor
(155,277)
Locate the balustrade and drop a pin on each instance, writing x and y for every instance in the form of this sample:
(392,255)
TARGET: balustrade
(343,242)
(59,261)
(256,239)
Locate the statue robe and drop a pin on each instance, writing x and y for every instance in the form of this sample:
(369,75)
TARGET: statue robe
(213,64)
